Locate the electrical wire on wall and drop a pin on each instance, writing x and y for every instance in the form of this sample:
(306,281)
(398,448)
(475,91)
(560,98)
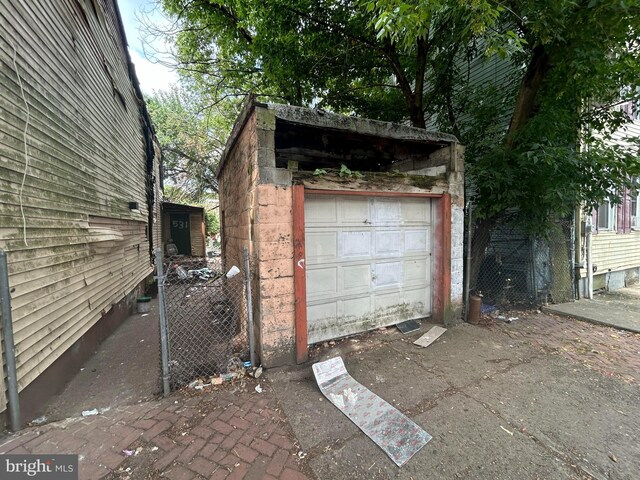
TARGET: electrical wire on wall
(24,138)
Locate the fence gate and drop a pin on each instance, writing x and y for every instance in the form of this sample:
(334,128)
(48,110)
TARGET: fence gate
(207,319)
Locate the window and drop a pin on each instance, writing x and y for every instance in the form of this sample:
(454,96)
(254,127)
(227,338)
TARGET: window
(635,209)
(606,216)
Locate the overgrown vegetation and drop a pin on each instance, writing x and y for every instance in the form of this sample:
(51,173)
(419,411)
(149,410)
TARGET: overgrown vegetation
(537,141)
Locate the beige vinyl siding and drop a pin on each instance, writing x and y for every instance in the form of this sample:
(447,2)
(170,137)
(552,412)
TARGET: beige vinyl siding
(85,249)
(616,251)
(612,250)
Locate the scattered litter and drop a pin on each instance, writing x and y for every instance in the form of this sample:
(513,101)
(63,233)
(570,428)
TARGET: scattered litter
(144,314)
(501,317)
(509,432)
(301,454)
(613,457)
(408,326)
(431,336)
(393,432)
(89,413)
(511,319)
(258,388)
(142,340)
(256,372)
(154,449)
(128,453)
(487,308)
(39,421)
(193,384)
(82,369)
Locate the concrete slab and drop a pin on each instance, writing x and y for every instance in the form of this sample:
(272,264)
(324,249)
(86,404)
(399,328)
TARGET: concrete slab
(619,309)
(502,402)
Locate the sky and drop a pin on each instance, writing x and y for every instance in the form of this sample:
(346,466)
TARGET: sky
(152,75)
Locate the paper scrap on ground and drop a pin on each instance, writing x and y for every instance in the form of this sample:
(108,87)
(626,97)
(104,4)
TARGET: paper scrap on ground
(431,336)
(393,431)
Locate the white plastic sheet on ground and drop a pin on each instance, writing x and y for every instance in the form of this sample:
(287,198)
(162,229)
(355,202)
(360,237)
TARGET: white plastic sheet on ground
(391,430)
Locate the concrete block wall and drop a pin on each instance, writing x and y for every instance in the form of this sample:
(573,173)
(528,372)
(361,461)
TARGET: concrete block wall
(276,298)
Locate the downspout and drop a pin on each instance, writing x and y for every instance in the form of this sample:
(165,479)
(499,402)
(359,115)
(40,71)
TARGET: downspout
(588,232)
(578,261)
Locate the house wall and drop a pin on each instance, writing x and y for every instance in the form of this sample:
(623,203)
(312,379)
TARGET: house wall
(85,253)
(616,253)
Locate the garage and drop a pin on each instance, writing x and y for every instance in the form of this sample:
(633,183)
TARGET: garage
(351,224)
(368,262)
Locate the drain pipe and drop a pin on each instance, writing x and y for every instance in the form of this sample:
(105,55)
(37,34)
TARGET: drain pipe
(589,241)
(9,346)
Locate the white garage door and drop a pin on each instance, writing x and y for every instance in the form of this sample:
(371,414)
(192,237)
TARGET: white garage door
(368,262)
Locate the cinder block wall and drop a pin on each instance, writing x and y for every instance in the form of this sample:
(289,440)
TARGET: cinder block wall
(256,204)
(276,303)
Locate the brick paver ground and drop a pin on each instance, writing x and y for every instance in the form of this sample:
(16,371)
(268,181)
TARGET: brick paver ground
(222,434)
(604,349)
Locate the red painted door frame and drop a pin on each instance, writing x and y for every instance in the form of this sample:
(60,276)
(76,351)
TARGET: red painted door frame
(441,252)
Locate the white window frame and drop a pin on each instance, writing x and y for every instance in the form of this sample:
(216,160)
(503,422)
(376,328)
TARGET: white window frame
(635,209)
(612,217)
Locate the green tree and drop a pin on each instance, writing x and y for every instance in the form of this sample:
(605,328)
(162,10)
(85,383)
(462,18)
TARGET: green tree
(191,134)
(537,144)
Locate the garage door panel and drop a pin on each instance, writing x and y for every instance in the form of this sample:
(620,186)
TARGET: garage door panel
(322,282)
(354,211)
(389,243)
(356,278)
(417,272)
(418,302)
(417,241)
(320,211)
(355,244)
(356,307)
(368,263)
(416,210)
(387,274)
(321,246)
(386,211)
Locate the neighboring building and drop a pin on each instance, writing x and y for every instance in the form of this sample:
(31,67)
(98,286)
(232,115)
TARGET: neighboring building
(542,266)
(345,250)
(184,224)
(616,237)
(79,208)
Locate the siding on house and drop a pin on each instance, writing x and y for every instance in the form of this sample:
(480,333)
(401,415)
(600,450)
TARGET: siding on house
(619,249)
(84,250)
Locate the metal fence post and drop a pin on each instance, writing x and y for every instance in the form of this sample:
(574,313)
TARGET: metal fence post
(467,273)
(9,347)
(247,283)
(164,331)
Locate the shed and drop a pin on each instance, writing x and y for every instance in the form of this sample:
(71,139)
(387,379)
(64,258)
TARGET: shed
(353,224)
(184,224)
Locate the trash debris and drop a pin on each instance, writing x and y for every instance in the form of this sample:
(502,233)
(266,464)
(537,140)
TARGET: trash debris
(258,388)
(487,308)
(408,326)
(509,432)
(89,413)
(392,431)
(256,372)
(233,271)
(128,453)
(39,421)
(613,457)
(301,454)
(431,336)
(511,319)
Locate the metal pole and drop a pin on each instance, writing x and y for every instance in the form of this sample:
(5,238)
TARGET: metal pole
(164,332)
(247,284)
(9,347)
(467,279)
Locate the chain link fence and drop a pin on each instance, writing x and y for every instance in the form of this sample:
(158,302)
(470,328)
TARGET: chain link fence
(511,269)
(207,317)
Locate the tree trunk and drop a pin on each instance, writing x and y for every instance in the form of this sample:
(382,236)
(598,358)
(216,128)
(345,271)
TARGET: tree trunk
(479,244)
(526,99)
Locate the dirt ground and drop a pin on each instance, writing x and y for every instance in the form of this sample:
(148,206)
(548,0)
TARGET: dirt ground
(541,398)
